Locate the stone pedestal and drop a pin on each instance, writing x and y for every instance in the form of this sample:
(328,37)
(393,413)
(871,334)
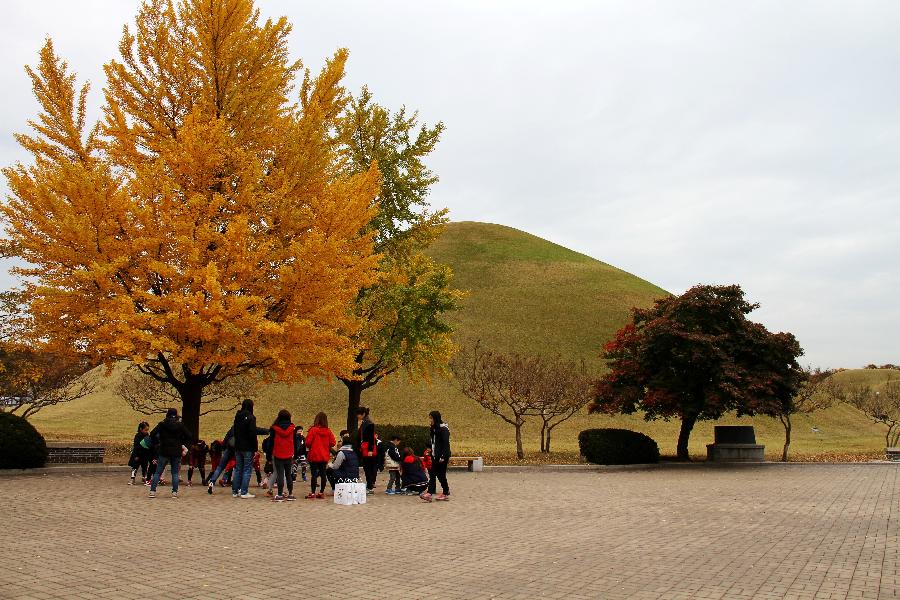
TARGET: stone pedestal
(735,443)
(735,453)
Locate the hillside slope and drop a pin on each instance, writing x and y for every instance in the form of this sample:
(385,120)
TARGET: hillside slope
(525,294)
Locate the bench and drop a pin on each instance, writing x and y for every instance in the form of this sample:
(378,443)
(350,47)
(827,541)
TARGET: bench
(475,463)
(74,452)
(892,454)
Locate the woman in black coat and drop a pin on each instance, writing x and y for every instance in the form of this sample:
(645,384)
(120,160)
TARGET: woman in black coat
(440,456)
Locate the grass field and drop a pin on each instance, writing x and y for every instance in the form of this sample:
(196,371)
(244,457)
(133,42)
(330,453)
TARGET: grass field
(526,294)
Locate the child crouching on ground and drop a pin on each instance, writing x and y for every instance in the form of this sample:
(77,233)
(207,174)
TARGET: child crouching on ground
(345,465)
(413,473)
(392,460)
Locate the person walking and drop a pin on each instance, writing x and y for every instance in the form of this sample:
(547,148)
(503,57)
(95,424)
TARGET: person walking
(319,443)
(440,456)
(368,449)
(246,445)
(283,449)
(173,439)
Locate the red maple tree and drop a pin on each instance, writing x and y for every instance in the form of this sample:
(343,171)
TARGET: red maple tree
(696,356)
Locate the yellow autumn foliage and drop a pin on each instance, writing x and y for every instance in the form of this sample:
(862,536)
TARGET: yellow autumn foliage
(204,226)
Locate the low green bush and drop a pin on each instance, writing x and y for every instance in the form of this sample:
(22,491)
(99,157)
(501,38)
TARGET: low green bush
(21,446)
(417,437)
(617,447)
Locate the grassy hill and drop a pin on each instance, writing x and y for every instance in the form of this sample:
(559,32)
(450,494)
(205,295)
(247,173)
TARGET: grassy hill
(525,294)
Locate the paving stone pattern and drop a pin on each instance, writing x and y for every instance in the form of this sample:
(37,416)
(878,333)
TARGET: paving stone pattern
(746,532)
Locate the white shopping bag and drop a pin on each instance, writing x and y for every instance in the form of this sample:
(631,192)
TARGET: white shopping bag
(359,493)
(344,494)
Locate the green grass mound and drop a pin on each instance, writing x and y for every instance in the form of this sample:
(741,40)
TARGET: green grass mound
(526,294)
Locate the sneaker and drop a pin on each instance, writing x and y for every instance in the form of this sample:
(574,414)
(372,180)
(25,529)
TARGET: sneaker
(390,492)
(270,493)
(190,484)
(310,496)
(425,496)
(153,494)
(291,497)
(233,495)
(443,497)
(278,499)
(174,494)
(320,496)
(370,492)
(209,489)
(147,483)
(131,482)
(246,496)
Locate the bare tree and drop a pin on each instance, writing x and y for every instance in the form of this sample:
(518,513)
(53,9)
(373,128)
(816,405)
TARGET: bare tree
(31,380)
(565,389)
(882,406)
(149,396)
(817,392)
(503,384)
(34,378)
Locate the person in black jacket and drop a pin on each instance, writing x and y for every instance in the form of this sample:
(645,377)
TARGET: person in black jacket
(173,439)
(245,445)
(440,456)
(140,452)
(368,450)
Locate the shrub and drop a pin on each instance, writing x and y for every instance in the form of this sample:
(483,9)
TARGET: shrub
(21,446)
(617,447)
(417,437)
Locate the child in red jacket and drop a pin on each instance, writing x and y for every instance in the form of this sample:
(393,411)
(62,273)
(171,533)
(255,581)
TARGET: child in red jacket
(283,449)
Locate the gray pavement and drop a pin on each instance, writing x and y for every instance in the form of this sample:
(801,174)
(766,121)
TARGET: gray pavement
(811,531)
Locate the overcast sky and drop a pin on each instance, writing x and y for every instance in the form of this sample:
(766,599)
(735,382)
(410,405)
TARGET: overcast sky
(686,142)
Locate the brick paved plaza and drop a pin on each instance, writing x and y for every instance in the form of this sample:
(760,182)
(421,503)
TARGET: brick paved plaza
(694,532)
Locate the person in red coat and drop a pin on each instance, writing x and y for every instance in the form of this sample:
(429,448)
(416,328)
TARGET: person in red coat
(319,442)
(282,435)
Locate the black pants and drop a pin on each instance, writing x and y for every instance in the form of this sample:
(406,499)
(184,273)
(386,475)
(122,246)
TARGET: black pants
(282,473)
(318,472)
(139,461)
(370,470)
(438,472)
(151,469)
(202,469)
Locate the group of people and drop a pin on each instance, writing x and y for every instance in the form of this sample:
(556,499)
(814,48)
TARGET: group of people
(329,460)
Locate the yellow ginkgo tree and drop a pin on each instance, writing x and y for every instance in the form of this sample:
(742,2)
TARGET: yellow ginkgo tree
(205,227)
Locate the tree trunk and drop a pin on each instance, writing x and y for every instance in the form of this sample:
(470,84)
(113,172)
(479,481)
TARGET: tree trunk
(520,453)
(354,393)
(687,424)
(786,421)
(191,394)
(547,444)
(545,438)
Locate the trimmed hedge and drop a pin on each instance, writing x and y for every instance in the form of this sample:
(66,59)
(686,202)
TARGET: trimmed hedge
(21,446)
(417,437)
(617,447)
